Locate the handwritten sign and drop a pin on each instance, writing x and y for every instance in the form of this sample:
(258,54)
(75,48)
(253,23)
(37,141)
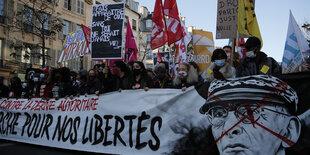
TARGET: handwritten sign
(227,19)
(107,31)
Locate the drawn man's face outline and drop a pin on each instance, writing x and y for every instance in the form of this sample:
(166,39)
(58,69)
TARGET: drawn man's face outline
(250,138)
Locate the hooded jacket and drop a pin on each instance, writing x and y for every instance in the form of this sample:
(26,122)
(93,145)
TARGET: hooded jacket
(260,65)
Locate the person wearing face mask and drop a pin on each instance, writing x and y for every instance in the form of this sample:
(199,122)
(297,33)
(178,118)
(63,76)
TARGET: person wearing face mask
(82,78)
(123,77)
(100,72)
(140,78)
(256,61)
(219,69)
(186,77)
(25,90)
(35,88)
(162,79)
(93,84)
(107,80)
(4,90)
(15,89)
(62,85)
(45,84)
(75,83)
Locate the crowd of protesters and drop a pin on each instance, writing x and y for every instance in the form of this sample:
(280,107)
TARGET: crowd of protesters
(63,83)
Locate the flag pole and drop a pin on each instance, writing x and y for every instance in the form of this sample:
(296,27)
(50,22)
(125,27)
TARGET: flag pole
(233,51)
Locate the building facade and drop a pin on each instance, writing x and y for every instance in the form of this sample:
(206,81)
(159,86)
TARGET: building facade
(21,46)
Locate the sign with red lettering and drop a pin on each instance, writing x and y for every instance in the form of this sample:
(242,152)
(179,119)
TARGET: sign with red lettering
(74,46)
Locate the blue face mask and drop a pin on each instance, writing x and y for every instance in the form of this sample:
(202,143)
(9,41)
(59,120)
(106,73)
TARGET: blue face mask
(35,79)
(24,85)
(182,74)
(220,63)
(42,75)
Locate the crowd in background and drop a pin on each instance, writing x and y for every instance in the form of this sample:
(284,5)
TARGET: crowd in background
(63,82)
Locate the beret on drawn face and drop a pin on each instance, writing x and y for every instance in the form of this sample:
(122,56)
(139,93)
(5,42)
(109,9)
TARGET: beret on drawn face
(256,88)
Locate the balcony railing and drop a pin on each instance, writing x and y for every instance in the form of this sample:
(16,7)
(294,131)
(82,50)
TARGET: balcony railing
(14,65)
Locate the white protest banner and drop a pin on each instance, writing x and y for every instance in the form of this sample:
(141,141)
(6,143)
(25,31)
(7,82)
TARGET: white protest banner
(130,122)
(74,46)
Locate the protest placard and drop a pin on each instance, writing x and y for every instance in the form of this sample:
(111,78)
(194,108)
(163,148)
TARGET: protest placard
(74,46)
(227,19)
(107,31)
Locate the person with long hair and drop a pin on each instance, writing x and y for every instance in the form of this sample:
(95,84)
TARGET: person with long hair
(107,80)
(62,86)
(15,89)
(93,84)
(82,78)
(186,76)
(123,78)
(4,90)
(140,78)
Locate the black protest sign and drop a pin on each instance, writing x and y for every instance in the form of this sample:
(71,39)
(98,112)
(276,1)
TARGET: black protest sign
(30,73)
(107,30)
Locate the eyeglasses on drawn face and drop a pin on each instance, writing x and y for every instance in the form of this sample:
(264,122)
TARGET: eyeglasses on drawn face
(252,113)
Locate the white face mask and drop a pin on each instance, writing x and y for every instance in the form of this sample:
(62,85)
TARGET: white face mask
(250,54)
(228,56)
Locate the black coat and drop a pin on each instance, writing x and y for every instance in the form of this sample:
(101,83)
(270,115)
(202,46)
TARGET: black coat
(4,91)
(260,65)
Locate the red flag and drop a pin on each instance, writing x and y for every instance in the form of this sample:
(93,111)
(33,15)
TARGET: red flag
(159,33)
(174,28)
(159,58)
(241,48)
(111,62)
(87,32)
(131,49)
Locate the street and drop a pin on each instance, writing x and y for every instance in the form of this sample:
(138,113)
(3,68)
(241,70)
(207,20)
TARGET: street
(12,148)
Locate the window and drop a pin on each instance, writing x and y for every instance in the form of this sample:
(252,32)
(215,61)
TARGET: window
(26,54)
(27,19)
(45,18)
(134,24)
(80,7)
(149,24)
(148,38)
(1,11)
(67,4)
(65,29)
(125,22)
(149,54)
(1,48)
